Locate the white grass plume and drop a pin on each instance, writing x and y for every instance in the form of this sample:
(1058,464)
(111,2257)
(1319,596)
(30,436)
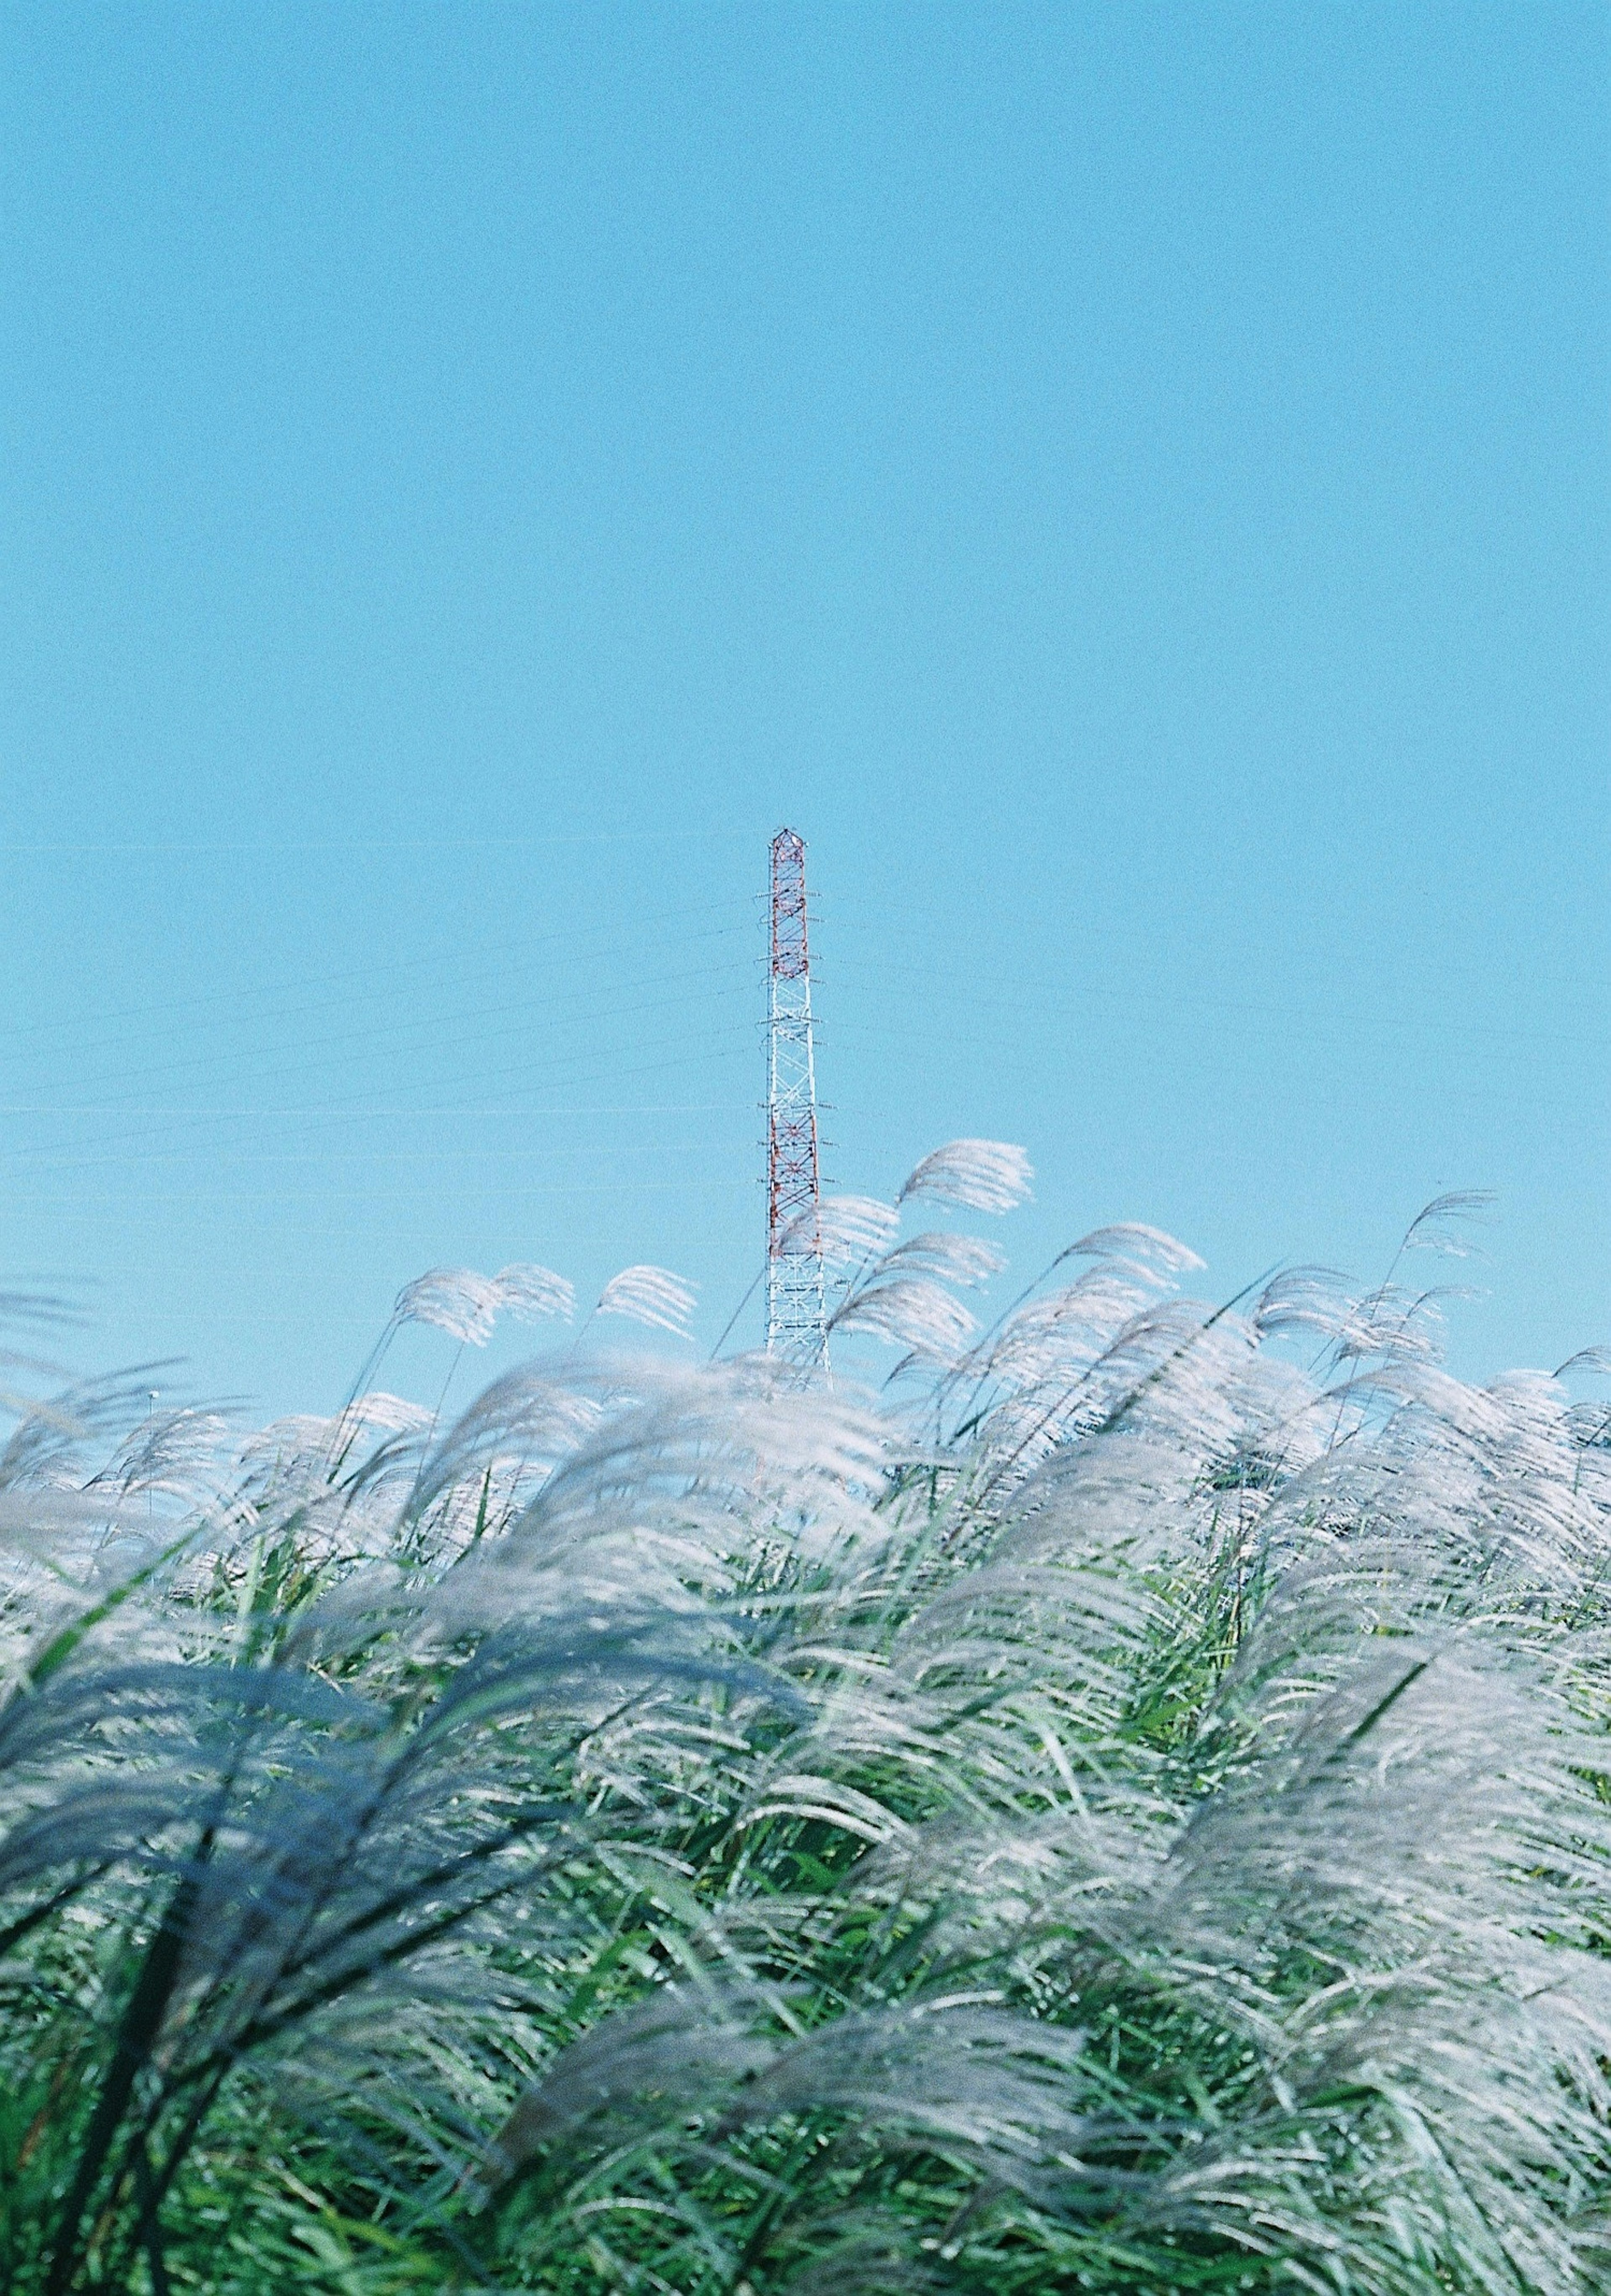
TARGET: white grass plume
(985,1175)
(675,1826)
(467,1306)
(650,1295)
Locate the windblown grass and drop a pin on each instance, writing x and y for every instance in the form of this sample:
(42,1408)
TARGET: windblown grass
(1129,1814)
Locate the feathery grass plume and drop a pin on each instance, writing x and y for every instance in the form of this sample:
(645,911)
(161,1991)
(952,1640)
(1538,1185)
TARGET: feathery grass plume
(913,1310)
(982,1176)
(1135,1818)
(906,1296)
(845,1228)
(467,1306)
(650,1295)
(327,1834)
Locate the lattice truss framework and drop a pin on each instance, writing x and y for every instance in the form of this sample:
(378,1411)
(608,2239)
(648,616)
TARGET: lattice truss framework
(793,1242)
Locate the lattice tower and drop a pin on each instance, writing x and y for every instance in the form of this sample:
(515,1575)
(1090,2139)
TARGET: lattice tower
(793,1242)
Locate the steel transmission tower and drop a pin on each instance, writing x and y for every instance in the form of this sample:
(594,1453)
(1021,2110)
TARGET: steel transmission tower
(794,1242)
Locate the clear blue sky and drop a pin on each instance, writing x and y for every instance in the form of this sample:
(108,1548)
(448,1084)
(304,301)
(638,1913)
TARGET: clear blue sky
(1129,483)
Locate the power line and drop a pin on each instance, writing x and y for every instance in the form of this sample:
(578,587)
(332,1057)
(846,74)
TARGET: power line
(363,1115)
(535,1190)
(490,956)
(711,1050)
(371,844)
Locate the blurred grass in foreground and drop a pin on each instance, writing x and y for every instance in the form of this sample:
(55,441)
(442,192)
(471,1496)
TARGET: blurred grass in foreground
(1124,1809)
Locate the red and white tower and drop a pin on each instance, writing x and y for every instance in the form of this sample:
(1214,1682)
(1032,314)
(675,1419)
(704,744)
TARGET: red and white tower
(793,1240)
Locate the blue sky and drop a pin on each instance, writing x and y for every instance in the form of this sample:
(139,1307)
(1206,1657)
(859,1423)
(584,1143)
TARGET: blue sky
(1128,483)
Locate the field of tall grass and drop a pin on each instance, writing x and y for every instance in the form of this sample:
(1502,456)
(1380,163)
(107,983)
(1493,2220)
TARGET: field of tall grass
(1122,1806)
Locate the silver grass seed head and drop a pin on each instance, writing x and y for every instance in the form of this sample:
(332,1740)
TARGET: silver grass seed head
(985,1175)
(650,1295)
(467,1306)
(845,1228)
